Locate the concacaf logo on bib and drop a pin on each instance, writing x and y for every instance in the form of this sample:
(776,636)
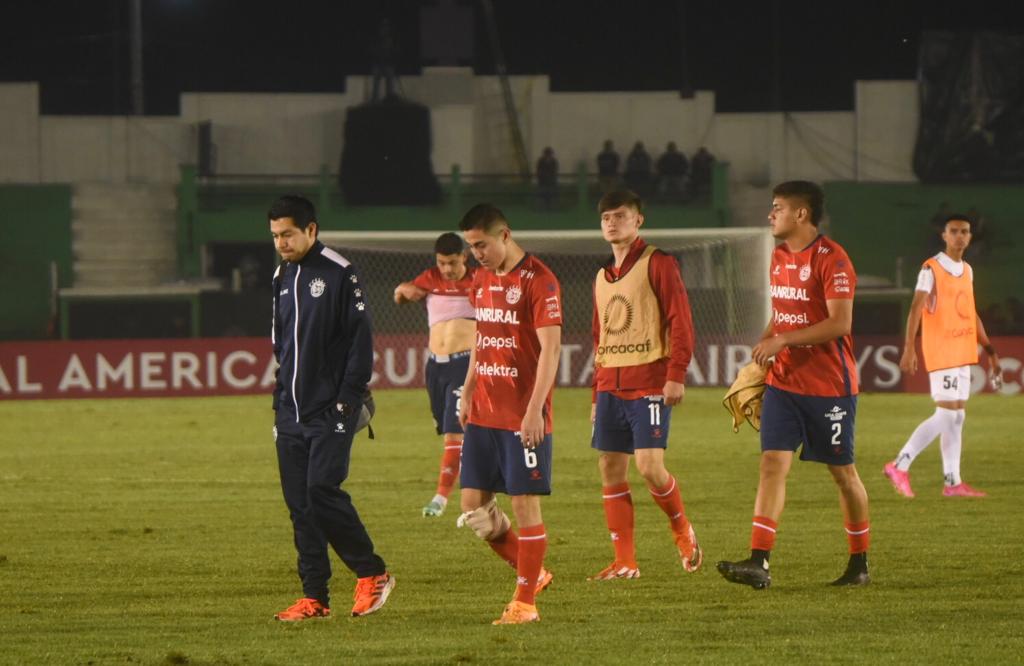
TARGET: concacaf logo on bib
(513,294)
(805,272)
(316,287)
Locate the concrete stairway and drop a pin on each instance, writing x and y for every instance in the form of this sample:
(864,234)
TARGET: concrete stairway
(123,235)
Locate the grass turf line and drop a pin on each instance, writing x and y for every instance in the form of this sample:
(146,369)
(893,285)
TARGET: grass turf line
(153,531)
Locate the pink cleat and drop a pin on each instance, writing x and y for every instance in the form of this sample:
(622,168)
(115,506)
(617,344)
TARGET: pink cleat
(962,490)
(900,480)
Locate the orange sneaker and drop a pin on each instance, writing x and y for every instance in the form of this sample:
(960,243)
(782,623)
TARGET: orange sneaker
(303,609)
(518,613)
(543,580)
(371,593)
(616,570)
(689,550)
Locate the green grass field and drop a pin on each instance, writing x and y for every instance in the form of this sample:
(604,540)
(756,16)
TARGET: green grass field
(153,531)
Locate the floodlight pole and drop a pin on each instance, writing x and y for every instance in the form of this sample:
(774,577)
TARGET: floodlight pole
(138,105)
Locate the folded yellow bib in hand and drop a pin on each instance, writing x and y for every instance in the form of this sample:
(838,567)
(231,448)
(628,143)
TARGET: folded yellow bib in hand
(743,399)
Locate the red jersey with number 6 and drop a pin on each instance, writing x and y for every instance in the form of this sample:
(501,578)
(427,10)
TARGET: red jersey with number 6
(801,283)
(509,310)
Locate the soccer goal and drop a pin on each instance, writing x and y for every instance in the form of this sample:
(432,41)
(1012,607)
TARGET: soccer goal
(725,271)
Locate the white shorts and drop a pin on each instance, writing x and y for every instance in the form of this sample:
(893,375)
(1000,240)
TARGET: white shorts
(951,384)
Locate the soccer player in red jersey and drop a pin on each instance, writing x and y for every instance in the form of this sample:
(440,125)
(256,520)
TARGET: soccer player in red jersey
(450,316)
(811,397)
(643,342)
(506,402)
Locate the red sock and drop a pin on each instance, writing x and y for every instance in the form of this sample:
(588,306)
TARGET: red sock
(762,534)
(533,542)
(507,547)
(618,512)
(450,460)
(859,537)
(671,502)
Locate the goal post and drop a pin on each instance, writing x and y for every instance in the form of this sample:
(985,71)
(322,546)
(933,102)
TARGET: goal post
(725,271)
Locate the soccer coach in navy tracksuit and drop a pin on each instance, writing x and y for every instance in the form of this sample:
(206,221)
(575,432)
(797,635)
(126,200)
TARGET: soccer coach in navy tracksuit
(323,343)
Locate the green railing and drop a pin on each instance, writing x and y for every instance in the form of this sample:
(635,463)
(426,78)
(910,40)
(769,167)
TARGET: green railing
(232,208)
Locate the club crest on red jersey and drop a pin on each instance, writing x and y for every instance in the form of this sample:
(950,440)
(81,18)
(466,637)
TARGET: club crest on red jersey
(513,294)
(805,272)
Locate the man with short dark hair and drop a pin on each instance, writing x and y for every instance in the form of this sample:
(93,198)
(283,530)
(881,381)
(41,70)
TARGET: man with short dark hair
(944,304)
(811,397)
(643,342)
(547,178)
(323,344)
(638,169)
(506,402)
(672,168)
(608,167)
(451,318)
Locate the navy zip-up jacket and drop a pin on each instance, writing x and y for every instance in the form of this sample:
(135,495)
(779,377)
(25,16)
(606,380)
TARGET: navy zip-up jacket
(321,333)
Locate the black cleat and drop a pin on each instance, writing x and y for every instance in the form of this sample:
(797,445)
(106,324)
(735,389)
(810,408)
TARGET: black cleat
(746,572)
(852,577)
(856,571)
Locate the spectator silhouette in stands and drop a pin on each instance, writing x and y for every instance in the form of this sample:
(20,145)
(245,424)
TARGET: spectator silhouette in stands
(547,178)
(700,173)
(385,56)
(672,171)
(608,168)
(638,170)
(995,319)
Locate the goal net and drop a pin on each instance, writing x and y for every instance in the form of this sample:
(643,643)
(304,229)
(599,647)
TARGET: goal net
(725,271)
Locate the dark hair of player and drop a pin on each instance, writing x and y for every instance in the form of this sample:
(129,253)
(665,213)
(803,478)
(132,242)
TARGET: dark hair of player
(484,216)
(300,209)
(810,194)
(615,198)
(958,217)
(448,243)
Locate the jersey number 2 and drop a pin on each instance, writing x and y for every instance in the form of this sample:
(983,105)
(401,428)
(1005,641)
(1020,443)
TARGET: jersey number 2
(837,431)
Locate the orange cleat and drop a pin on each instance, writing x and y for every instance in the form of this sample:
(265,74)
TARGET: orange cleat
(543,581)
(616,570)
(303,609)
(518,613)
(689,550)
(371,593)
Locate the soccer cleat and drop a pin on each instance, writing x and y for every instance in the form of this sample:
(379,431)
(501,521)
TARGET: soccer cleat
(433,509)
(616,570)
(746,572)
(543,580)
(900,480)
(962,490)
(852,578)
(303,609)
(856,572)
(518,613)
(689,550)
(371,593)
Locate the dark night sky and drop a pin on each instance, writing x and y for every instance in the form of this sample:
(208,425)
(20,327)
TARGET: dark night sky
(805,53)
